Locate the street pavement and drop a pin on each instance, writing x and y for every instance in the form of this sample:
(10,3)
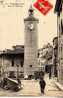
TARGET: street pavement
(51,89)
(32,88)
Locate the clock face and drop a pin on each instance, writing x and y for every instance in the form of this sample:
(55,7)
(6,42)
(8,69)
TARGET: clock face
(31,26)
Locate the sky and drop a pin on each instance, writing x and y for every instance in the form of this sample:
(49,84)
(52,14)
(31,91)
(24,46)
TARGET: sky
(12,25)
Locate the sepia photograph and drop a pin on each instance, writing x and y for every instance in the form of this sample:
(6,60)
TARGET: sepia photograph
(31,48)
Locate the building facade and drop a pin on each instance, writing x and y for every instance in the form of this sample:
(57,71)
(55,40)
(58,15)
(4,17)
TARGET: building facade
(46,57)
(12,61)
(59,11)
(30,45)
(55,56)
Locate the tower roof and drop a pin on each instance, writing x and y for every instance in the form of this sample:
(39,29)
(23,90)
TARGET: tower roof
(31,11)
(31,15)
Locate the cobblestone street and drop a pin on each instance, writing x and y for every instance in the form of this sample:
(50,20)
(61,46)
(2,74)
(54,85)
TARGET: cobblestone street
(32,88)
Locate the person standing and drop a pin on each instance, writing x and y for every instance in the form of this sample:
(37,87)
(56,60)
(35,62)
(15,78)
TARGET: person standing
(42,84)
(19,82)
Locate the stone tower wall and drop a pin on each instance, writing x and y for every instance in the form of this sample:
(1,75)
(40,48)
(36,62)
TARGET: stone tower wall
(30,53)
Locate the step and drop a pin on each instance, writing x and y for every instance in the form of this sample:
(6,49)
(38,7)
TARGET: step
(59,85)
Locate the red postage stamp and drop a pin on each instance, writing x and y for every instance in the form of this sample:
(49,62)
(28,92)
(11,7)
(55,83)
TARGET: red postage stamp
(43,6)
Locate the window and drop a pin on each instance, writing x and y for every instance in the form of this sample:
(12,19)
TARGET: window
(61,26)
(30,65)
(21,63)
(12,63)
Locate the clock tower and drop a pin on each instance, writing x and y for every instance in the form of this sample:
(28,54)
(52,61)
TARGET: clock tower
(31,44)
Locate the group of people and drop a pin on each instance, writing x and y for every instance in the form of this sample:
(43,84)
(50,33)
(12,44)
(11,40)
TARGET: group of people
(42,82)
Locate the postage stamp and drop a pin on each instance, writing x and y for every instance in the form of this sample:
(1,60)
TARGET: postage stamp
(44,6)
